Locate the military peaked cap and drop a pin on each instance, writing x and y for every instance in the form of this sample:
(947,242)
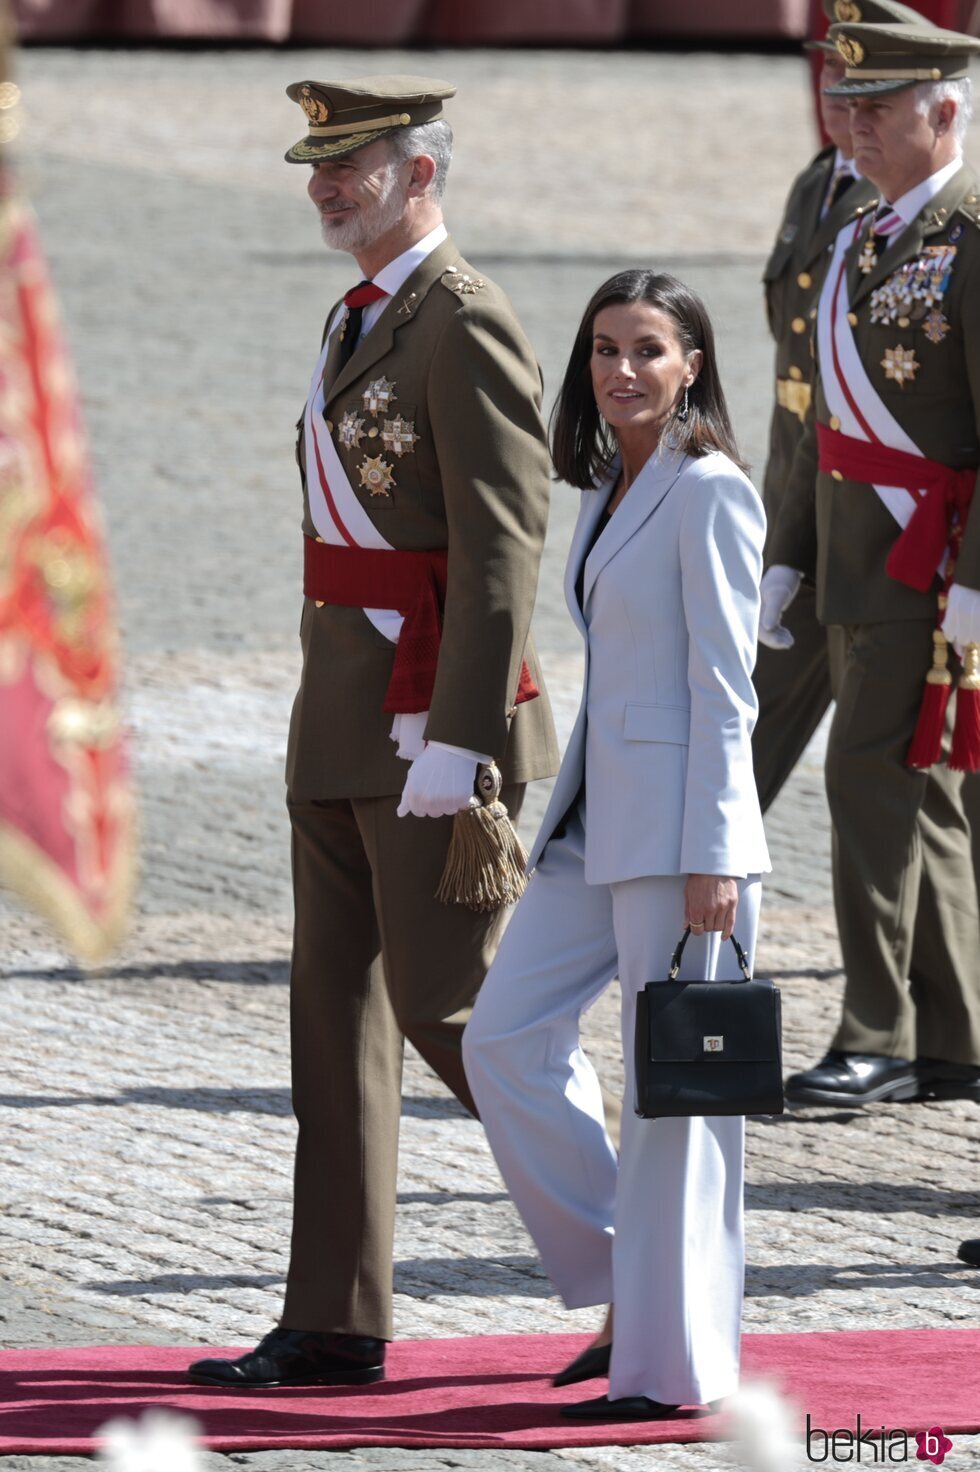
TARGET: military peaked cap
(881,59)
(342,116)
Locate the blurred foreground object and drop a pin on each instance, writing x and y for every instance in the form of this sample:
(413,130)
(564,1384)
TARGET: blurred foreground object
(160,1441)
(763,1430)
(66,809)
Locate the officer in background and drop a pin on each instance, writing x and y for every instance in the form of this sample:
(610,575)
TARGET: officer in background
(793,680)
(425,477)
(878,511)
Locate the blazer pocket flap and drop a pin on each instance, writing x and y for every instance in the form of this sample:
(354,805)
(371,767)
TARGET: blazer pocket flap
(658,723)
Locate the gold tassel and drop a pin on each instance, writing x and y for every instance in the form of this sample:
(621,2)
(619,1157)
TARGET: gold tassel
(486,860)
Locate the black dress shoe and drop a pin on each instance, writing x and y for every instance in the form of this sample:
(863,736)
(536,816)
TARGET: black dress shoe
(629,1408)
(854,1078)
(940,1080)
(969,1251)
(298,1357)
(586,1366)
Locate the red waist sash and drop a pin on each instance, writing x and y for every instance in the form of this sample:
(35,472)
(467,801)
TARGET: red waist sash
(413,584)
(942,499)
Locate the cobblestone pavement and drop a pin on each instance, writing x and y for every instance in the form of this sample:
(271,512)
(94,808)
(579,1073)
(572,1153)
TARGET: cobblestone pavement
(146,1148)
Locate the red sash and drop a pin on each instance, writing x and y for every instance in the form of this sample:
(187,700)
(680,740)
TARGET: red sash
(412,583)
(942,499)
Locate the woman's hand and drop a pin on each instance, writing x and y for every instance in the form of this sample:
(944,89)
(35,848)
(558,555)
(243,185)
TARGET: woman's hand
(710,902)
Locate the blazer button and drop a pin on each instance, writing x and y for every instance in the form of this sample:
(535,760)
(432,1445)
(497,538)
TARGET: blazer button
(795,373)
(805,280)
(798,324)
(836,475)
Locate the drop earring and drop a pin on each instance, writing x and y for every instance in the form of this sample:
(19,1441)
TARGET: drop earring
(685,408)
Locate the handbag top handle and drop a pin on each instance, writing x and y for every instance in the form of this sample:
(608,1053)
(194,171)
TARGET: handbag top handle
(675,960)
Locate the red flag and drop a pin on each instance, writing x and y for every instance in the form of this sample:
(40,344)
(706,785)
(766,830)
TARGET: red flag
(66,805)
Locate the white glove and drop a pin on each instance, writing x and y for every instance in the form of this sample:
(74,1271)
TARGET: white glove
(961,625)
(408,732)
(779,586)
(440,781)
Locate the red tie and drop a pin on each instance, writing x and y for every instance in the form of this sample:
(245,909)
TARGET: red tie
(355,301)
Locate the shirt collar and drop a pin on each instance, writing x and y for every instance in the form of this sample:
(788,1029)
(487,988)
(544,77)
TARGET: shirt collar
(840,162)
(392,278)
(914,201)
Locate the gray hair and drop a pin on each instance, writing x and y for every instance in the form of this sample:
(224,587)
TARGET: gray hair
(957,89)
(435,139)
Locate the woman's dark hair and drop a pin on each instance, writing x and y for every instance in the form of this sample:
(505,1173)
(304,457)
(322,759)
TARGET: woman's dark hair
(582,445)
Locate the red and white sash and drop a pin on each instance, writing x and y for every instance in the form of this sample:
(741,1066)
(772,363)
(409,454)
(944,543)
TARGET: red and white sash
(335,510)
(850,394)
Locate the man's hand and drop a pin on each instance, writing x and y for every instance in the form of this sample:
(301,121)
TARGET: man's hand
(440,781)
(778,588)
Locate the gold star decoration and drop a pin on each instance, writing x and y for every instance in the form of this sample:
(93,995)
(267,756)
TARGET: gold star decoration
(900,364)
(398,435)
(379,395)
(377,475)
(350,430)
(936,326)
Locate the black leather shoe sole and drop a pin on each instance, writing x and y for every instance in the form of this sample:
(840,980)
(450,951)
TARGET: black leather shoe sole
(892,1091)
(366,1376)
(969,1252)
(629,1408)
(590,1363)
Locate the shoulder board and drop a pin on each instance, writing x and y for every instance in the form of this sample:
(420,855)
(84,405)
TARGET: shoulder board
(459,283)
(971,208)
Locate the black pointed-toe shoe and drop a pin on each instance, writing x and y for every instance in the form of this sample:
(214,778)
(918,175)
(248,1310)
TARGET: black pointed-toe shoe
(849,1079)
(969,1251)
(586,1366)
(628,1408)
(298,1357)
(939,1080)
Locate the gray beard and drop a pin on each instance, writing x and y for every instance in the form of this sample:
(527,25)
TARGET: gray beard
(369,222)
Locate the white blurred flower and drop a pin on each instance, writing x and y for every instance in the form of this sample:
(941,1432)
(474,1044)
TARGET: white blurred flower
(763,1423)
(160,1441)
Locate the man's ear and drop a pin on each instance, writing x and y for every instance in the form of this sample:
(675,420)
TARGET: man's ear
(945,116)
(423,173)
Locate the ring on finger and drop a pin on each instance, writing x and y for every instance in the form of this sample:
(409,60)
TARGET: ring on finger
(697,924)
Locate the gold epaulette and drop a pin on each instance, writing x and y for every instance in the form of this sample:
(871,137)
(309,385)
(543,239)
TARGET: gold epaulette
(456,281)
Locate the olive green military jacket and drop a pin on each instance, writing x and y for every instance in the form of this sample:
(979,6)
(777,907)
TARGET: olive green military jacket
(476,480)
(838,530)
(792,280)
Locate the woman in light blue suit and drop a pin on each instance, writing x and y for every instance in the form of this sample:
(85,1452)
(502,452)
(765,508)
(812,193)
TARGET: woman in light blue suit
(653,825)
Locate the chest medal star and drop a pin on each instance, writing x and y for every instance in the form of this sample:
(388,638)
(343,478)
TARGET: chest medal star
(900,364)
(377,475)
(936,326)
(379,396)
(398,435)
(350,430)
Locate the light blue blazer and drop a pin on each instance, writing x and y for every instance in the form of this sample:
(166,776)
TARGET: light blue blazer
(670,617)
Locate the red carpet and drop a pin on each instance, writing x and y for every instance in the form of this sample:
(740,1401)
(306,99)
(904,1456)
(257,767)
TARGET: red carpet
(488,1392)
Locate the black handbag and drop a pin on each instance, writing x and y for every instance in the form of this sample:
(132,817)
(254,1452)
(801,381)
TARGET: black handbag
(708,1047)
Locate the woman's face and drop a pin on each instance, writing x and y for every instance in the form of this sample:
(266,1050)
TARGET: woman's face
(639,368)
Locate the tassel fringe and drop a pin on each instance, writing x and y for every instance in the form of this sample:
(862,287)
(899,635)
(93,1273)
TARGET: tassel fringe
(485,866)
(965,753)
(927,743)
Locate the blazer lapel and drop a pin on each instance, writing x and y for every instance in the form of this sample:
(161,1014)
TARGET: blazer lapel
(378,342)
(825,231)
(645,495)
(934,217)
(593,506)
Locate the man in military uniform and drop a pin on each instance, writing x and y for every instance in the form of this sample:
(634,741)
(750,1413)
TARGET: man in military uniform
(425,487)
(792,677)
(892,448)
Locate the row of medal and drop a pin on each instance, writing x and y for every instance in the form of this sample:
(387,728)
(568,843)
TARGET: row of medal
(397,436)
(915,292)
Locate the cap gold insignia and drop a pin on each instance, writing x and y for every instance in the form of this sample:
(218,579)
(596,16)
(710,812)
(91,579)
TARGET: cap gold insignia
(377,475)
(316,110)
(398,436)
(851,50)
(847,12)
(350,430)
(900,365)
(379,396)
(936,326)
